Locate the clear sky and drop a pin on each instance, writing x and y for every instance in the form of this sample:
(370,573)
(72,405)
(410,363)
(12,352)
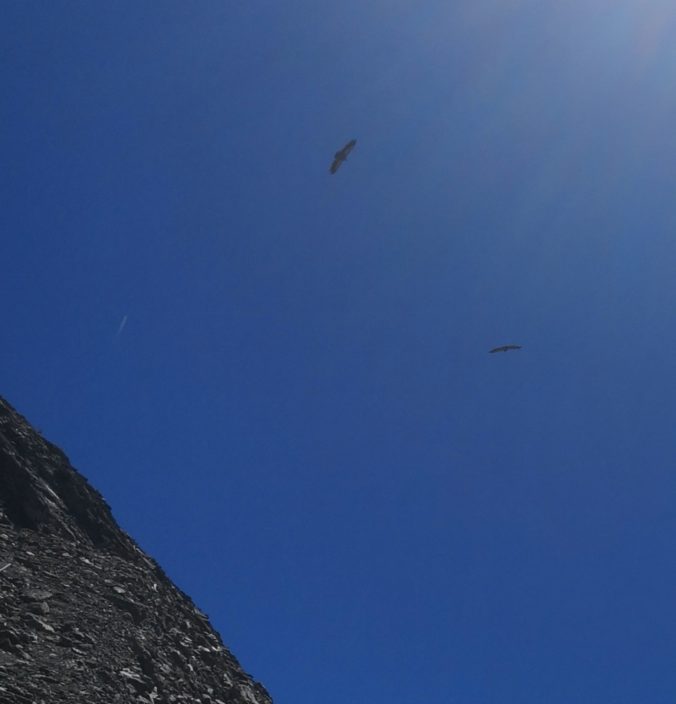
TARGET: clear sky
(279,378)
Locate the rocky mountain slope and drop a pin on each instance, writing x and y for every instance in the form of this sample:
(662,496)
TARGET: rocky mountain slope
(85,615)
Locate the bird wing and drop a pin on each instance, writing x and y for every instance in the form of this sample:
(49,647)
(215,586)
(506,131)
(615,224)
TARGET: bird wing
(336,163)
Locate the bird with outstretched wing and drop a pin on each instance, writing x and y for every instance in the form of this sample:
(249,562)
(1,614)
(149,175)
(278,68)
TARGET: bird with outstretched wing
(504,348)
(340,156)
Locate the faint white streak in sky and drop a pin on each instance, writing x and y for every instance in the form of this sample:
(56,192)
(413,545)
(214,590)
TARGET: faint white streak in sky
(121,328)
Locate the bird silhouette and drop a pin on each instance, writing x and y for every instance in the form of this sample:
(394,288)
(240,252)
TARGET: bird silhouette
(340,156)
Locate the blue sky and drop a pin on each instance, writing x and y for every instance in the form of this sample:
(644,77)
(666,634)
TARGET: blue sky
(300,419)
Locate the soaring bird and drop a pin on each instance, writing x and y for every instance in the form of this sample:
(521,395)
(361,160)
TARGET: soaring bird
(504,348)
(340,156)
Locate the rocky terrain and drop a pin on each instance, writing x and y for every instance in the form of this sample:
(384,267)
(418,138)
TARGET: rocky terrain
(85,615)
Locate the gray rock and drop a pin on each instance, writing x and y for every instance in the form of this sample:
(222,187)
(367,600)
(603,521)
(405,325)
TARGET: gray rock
(36,595)
(85,615)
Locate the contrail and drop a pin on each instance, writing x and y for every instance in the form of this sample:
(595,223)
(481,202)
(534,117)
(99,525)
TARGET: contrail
(121,328)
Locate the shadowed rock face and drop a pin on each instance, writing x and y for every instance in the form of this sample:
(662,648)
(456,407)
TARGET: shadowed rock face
(85,615)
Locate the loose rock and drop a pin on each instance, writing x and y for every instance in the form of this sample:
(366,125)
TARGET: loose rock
(85,615)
